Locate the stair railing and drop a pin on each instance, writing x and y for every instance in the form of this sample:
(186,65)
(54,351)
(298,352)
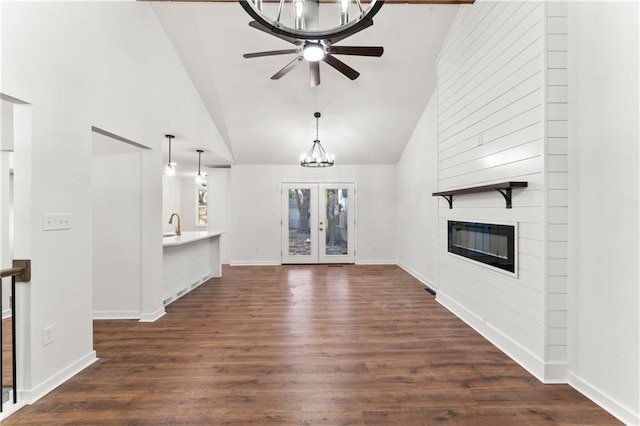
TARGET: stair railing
(20,272)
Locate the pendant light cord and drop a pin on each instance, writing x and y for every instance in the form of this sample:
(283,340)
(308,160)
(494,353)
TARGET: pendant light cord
(317,116)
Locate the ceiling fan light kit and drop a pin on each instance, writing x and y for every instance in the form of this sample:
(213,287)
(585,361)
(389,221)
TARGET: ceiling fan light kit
(314,44)
(313,52)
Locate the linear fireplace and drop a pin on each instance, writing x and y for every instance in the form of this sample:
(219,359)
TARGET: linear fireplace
(491,244)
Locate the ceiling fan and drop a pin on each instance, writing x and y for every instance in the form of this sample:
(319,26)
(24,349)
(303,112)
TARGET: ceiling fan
(311,43)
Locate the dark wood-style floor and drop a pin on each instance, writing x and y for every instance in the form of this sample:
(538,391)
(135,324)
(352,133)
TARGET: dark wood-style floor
(305,345)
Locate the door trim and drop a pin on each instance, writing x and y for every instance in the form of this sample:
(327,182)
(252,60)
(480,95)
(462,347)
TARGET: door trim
(353,208)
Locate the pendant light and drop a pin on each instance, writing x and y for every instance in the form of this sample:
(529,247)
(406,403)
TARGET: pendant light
(170,168)
(317,156)
(201,177)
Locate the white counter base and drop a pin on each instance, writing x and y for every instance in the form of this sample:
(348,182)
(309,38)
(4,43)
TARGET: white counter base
(188,261)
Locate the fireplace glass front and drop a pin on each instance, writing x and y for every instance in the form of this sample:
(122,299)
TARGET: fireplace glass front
(491,244)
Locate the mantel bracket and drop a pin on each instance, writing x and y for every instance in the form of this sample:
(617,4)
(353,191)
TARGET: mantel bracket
(449,199)
(506,193)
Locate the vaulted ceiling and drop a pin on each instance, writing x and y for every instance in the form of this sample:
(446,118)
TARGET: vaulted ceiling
(264,121)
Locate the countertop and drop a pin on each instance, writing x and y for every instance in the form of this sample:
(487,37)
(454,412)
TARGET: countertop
(188,237)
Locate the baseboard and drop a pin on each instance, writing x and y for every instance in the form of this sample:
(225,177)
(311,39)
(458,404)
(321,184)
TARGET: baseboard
(622,413)
(6,313)
(522,356)
(556,372)
(8,408)
(425,281)
(153,316)
(108,315)
(376,262)
(253,263)
(169,298)
(34,394)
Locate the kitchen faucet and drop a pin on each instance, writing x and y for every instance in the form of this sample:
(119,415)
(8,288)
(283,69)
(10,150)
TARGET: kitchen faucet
(178,225)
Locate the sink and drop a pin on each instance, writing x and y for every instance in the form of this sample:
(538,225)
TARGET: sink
(168,234)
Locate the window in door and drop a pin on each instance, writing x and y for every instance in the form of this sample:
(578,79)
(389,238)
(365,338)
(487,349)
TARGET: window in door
(318,223)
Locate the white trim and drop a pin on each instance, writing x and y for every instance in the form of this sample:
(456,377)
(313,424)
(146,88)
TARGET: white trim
(376,262)
(107,315)
(556,372)
(522,356)
(254,263)
(32,395)
(8,408)
(622,413)
(425,281)
(6,313)
(153,316)
(173,296)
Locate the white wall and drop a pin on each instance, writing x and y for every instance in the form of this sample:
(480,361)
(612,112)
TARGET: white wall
(556,214)
(171,201)
(188,205)
(79,65)
(490,129)
(255,200)
(604,239)
(117,254)
(417,209)
(6,202)
(178,195)
(219,208)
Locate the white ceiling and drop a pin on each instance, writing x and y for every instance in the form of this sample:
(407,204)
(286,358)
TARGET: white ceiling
(264,121)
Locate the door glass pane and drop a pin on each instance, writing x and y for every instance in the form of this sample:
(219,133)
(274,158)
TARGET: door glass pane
(299,214)
(337,202)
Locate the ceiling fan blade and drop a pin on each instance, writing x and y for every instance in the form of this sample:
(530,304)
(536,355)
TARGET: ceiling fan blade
(341,66)
(286,68)
(258,26)
(358,51)
(367,24)
(314,73)
(271,53)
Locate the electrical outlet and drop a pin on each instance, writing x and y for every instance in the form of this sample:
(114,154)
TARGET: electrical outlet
(47,335)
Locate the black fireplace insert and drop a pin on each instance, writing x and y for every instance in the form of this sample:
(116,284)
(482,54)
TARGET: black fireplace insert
(488,243)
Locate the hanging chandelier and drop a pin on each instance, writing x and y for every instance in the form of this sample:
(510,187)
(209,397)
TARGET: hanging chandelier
(317,156)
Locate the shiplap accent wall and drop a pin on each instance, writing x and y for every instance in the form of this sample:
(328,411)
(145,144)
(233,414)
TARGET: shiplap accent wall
(491,128)
(557,189)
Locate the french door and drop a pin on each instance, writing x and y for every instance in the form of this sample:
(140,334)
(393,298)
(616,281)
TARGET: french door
(318,223)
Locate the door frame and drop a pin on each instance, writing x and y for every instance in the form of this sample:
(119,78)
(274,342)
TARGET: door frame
(353,208)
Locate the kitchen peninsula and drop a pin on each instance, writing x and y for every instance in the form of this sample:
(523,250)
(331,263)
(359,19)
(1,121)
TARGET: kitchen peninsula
(189,260)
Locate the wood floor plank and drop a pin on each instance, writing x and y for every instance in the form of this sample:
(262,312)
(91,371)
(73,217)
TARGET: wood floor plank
(305,345)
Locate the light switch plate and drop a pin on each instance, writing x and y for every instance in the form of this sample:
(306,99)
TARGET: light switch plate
(56,222)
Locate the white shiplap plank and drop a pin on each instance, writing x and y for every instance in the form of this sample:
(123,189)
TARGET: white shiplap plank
(471,150)
(486,52)
(504,172)
(492,101)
